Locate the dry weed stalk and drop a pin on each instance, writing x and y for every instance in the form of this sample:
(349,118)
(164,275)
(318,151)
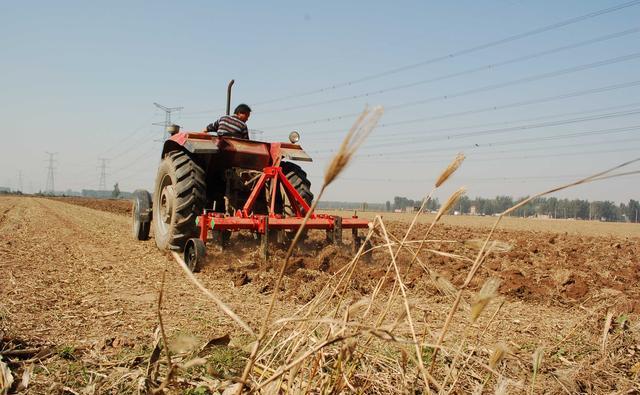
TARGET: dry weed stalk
(483,252)
(536,363)
(444,176)
(426,376)
(475,346)
(605,332)
(480,302)
(398,284)
(451,201)
(338,371)
(221,305)
(358,133)
(331,345)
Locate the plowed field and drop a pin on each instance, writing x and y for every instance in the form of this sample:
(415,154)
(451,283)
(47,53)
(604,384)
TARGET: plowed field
(78,296)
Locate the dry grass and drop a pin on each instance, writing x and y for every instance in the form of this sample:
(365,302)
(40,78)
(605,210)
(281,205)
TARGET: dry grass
(394,339)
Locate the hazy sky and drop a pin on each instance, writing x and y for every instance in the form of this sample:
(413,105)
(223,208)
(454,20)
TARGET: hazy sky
(537,110)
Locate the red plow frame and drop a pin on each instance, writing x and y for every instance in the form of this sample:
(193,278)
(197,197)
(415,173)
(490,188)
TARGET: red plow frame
(244,219)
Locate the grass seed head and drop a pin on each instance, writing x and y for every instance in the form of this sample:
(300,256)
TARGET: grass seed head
(358,307)
(453,199)
(537,359)
(453,166)
(499,352)
(486,294)
(502,387)
(444,285)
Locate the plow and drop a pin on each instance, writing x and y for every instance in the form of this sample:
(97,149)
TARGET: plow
(209,186)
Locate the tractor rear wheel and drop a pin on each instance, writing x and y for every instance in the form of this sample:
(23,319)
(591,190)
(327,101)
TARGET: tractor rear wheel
(298,178)
(178,199)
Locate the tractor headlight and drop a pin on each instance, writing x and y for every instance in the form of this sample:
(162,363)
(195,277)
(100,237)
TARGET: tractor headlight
(294,137)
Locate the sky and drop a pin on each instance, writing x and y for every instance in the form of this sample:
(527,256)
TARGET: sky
(535,94)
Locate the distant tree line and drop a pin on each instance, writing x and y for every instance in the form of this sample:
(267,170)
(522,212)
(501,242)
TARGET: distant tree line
(551,207)
(357,206)
(403,203)
(555,208)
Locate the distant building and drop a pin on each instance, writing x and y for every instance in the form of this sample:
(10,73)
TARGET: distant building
(472,210)
(95,193)
(92,193)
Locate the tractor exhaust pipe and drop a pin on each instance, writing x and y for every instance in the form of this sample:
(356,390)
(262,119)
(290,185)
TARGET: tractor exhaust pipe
(229,96)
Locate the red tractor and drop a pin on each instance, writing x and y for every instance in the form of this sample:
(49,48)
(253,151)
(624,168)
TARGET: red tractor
(211,186)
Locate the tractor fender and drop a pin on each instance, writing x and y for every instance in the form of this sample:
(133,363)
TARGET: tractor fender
(195,143)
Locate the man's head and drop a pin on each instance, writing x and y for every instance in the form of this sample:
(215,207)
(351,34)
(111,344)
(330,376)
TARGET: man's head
(242,112)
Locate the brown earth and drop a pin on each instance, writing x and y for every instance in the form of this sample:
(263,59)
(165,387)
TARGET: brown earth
(74,279)
(118,206)
(549,267)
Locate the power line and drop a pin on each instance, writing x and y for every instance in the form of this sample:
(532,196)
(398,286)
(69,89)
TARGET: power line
(486,88)
(136,144)
(480,179)
(561,154)
(542,100)
(475,156)
(511,142)
(465,51)
(448,56)
(427,138)
(490,66)
(131,147)
(376,137)
(118,144)
(144,155)
(128,135)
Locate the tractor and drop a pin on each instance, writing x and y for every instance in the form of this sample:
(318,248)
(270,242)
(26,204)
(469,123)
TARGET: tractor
(208,186)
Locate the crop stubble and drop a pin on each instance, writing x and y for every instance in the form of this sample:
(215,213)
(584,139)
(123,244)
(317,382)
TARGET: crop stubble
(73,277)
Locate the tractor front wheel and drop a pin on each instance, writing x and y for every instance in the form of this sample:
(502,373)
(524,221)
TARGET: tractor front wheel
(195,254)
(178,199)
(141,213)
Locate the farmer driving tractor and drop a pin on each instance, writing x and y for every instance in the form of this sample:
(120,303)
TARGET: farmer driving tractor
(232,125)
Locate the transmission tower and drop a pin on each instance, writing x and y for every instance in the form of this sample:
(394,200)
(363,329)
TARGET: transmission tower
(20,181)
(50,186)
(102,182)
(167,117)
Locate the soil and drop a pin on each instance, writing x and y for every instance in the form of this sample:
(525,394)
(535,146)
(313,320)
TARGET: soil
(117,206)
(74,279)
